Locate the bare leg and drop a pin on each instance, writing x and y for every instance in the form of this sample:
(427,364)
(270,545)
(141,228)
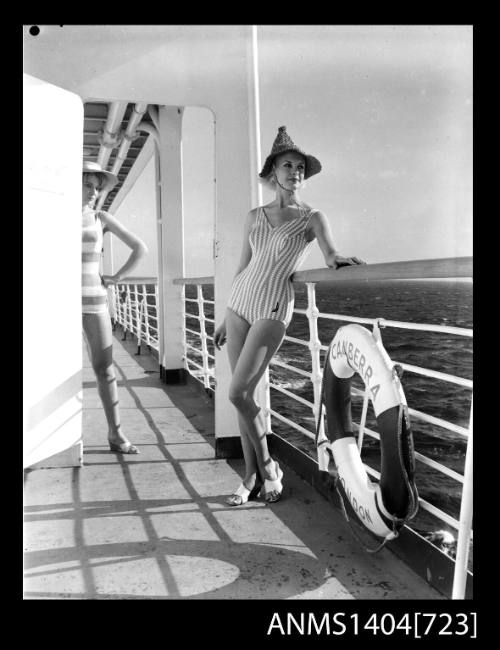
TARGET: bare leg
(262,341)
(98,335)
(237,330)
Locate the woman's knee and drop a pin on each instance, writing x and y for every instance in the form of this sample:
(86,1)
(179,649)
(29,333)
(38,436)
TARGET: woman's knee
(237,395)
(241,398)
(104,369)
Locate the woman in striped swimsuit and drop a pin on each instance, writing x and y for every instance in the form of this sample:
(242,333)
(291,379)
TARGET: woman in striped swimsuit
(96,319)
(277,238)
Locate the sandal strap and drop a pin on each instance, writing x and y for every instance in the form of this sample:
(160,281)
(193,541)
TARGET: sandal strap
(276,485)
(235,499)
(241,491)
(273,486)
(124,447)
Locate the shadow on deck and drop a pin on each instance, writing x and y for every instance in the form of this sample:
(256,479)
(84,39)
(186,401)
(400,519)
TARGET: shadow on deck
(155,526)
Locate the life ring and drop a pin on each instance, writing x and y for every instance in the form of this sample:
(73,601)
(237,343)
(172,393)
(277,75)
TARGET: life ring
(382,507)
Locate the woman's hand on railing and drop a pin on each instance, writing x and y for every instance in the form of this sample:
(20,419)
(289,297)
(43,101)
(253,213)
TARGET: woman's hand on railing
(220,335)
(340,261)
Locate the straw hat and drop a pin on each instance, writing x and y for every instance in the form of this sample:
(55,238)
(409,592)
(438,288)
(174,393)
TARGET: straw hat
(282,143)
(91,167)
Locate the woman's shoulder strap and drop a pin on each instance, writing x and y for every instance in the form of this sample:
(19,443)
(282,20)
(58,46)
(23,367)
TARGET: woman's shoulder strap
(101,215)
(309,214)
(259,213)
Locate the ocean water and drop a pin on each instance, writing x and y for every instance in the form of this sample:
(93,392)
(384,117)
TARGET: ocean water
(441,302)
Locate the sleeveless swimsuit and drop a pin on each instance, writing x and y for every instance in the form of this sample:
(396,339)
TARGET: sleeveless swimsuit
(94,294)
(263,290)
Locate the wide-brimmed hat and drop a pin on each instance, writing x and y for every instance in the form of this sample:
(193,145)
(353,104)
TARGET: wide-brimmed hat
(91,167)
(283,143)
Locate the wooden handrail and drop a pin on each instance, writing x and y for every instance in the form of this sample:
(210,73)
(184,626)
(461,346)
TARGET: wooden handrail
(452,267)
(445,267)
(138,280)
(203,280)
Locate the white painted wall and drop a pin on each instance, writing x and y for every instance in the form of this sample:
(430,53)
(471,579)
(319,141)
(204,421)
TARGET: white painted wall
(171,266)
(52,310)
(198,150)
(137,210)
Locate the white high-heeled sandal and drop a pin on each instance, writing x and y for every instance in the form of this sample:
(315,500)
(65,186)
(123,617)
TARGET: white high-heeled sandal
(242,494)
(274,487)
(123,447)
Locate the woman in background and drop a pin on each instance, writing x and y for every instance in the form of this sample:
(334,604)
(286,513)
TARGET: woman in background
(96,318)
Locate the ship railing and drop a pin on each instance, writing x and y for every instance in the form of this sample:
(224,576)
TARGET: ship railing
(199,362)
(463,525)
(426,269)
(134,306)
(420,269)
(204,371)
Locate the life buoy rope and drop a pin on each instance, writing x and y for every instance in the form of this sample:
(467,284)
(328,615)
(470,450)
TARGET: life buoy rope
(386,506)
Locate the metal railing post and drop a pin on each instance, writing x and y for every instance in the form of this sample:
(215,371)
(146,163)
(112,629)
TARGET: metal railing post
(314,347)
(145,307)
(158,316)
(183,326)
(203,335)
(465,526)
(119,310)
(138,317)
(266,396)
(113,309)
(127,313)
(142,315)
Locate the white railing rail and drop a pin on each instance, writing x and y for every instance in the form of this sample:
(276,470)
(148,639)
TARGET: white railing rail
(134,306)
(202,368)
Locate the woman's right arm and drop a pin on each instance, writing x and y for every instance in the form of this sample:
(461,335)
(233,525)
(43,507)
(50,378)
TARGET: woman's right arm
(321,229)
(246,255)
(246,251)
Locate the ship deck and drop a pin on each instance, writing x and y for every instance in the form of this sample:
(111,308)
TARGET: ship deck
(155,525)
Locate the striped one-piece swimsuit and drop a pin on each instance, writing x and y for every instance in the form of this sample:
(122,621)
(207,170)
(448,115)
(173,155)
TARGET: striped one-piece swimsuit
(264,289)
(94,294)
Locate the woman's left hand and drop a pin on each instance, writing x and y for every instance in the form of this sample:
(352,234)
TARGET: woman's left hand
(347,261)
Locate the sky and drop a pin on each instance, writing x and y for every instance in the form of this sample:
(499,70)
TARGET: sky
(388,112)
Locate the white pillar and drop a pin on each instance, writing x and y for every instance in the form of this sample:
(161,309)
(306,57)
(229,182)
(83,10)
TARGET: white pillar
(237,153)
(262,392)
(159,244)
(171,262)
(233,202)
